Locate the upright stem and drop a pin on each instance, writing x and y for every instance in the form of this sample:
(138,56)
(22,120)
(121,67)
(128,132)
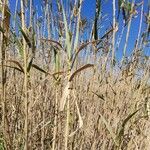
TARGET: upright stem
(67,123)
(25,78)
(3,99)
(140,26)
(4,36)
(31,13)
(55,120)
(114,32)
(128,32)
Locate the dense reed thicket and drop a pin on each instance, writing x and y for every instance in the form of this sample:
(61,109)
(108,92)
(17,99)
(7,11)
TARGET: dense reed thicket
(62,86)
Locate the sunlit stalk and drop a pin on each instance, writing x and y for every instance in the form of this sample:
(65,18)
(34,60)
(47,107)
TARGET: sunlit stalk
(25,78)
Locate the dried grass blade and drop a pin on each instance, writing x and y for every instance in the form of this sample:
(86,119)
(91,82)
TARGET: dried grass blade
(121,130)
(99,96)
(40,69)
(79,70)
(17,63)
(53,42)
(81,47)
(13,67)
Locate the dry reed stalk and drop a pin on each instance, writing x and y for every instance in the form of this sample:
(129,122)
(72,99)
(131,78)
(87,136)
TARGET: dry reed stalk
(114,33)
(25,77)
(128,31)
(5,24)
(98,111)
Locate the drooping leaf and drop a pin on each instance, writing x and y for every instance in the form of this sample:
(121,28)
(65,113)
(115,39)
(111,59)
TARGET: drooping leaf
(17,63)
(122,128)
(55,43)
(79,70)
(16,68)
(81,47)
(38,68)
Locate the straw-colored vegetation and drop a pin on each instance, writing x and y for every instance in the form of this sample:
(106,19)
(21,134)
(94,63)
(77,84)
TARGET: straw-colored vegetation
(62,87)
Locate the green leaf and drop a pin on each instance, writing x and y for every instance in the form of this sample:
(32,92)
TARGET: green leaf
(68,38)
(77,27)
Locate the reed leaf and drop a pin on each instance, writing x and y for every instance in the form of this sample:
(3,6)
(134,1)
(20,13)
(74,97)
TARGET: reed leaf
(79,70)
(17,63)
(55,43)
(99,96)
(39,69)
(78,26)
(81,47)
(16,68)
(68,36)
(122,128)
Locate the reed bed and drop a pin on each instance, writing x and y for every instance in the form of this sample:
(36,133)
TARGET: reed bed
(62,86)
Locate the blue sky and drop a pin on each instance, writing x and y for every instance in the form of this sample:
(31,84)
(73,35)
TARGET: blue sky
(88,10)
